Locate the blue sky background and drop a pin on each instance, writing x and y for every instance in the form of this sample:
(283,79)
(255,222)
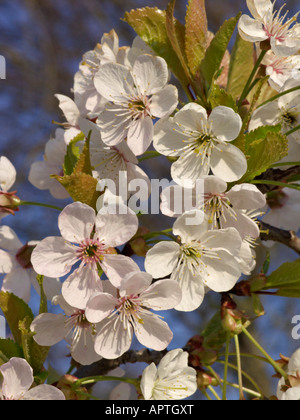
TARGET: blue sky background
(27,108)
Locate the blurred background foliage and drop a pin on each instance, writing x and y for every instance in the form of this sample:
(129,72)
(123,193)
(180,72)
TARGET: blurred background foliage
(43,42)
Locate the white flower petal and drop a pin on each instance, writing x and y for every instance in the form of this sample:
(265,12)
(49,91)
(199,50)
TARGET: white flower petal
(152,332)
(161,259)
(192,289)
(44,392)
(246,196)
(53,257)
(9,239)
(81,285)
(251,30)
(164,102)
(116,229)
(82,349)
(99,307)
(17,378)
(116,267)
(7,174)
(225,123)
(114,82)
(168,139)
(135,283)
(223,274)
(76,222)
(162,295)
(228,163)
(69,108)
(150,74)
(148,380)
(49,329)
(140,135)
(112,339)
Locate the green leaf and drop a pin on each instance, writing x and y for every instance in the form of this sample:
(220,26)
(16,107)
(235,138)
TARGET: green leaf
(72,155)
(217,48)
(240,67)
(43,297)
(218,96)
(285,281)
(176,35)
(19,318)
(240,142)
(286,276)
(214,334)
(15,310)
(150,24)
(196,32)
(80,184)
(34,353)
(264,146)
(9,349)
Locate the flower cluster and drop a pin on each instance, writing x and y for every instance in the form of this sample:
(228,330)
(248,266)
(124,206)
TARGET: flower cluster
(124,109)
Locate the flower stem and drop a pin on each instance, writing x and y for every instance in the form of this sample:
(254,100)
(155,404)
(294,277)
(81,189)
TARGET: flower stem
(276,183)
(224,397)
(94,379)
(149,155)
(279,95)
(239,367)
(251,77)
(215,394)
(32,203)
(292,131)
(267,356)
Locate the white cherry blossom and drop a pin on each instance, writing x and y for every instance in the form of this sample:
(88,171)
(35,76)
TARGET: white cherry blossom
(203,258)
(267,24)
(293,369)
(8,174)
(281,69)
(136,97)
(223,208)
(72,325)
(86,238)
(172,379)
(202,143)
(109,162)
(8,199)
(15,264)
(285,111)
(52,163)
(127,311)
(17,380)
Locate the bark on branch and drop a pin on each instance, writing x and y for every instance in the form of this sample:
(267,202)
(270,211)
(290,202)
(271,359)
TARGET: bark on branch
(275,174)
(104,366)
(288,238)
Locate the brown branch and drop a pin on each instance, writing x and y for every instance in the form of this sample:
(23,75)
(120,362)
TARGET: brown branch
(275,174)
(288,238)
(104,366)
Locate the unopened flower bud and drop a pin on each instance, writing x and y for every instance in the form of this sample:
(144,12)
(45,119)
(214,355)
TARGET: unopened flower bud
(232,318)
(9,203)
(66,385)
(204,380)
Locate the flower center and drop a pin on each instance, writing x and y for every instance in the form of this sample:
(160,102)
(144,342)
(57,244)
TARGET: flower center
(139,106)
(275,26)
(216,206)
(130,309)
(289,117)
(91,251)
